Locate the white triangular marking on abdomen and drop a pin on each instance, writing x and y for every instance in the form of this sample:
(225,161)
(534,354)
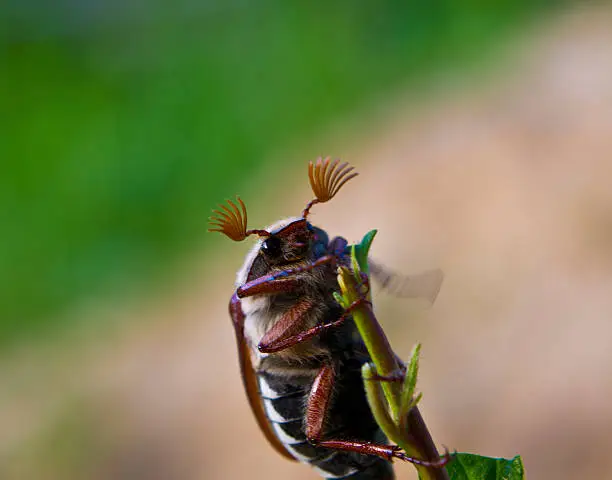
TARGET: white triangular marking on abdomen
(302,458)
(284,437)
(326,474)
(273,415)
(266,391)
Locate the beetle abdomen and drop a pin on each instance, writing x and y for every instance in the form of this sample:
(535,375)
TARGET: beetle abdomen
(285,399)
(379,470)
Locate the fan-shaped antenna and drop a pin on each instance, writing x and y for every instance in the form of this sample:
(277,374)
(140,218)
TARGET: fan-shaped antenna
(326,178)
(233,222)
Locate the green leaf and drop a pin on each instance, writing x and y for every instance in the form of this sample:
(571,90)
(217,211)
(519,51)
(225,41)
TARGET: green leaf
(466,466)
(410,380)
(340,299)
(357,270)
(362,249)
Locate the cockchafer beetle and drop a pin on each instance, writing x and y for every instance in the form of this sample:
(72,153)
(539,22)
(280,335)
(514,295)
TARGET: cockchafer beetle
(299,354)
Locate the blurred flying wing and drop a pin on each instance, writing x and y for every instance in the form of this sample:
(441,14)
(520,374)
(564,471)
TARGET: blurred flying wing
(421,285)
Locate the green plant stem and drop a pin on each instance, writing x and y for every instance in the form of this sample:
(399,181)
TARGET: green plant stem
(415,440)
(378,403)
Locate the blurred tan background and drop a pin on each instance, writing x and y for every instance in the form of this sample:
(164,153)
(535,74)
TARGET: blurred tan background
(500,176)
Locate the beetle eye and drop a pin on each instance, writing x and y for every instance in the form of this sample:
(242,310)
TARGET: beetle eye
(271,247)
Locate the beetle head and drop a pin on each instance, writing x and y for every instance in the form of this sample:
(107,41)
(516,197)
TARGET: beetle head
(326,178)
(292,241)
(288,243)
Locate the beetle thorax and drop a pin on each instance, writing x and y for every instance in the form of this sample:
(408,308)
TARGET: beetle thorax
(263,311)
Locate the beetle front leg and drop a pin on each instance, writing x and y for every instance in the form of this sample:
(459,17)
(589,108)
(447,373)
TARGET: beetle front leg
(267,286)
(318,405)
(277,283)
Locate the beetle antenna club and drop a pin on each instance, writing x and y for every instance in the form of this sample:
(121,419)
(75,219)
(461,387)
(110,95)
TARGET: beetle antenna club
(232,222)
(326,178)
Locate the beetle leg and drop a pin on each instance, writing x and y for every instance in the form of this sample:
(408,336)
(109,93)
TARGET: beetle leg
(267,286)
(317,407)
(285,332)
(396,375)
(275,282)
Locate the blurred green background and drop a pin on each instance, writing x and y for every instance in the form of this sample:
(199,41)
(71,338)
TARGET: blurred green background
(481,131)
(123,122)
